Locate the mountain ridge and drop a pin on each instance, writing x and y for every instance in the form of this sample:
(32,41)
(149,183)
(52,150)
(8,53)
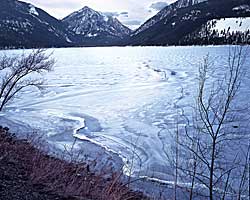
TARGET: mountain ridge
(185,22)
(89,25)
(173,24)
(165,11)
(25,25)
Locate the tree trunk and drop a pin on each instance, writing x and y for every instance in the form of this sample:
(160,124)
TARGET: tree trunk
(211,177)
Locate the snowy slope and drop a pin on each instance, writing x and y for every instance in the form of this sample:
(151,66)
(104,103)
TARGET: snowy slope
(186,22)
(24,25)
(90,23)
(222,31)
(165,12)
(186,3)
(230,25)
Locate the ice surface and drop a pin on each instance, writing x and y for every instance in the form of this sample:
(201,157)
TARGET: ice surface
(123,100)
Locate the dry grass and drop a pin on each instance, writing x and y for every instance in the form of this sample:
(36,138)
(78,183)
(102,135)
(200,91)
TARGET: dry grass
(52,176)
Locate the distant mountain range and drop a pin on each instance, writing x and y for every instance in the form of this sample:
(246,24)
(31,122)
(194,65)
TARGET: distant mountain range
(185,22)
(24,25)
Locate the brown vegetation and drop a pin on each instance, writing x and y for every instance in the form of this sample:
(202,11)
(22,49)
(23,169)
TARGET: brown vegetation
(28,173)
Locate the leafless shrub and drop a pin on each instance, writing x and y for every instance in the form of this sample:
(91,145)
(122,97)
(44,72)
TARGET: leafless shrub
(16,73)
(211,153)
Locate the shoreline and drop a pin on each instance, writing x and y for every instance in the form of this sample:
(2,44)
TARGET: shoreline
(43,170)
(72,141)
(101,161)
(121,46)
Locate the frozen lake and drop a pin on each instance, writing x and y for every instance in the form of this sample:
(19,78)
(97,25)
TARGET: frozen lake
(129,97)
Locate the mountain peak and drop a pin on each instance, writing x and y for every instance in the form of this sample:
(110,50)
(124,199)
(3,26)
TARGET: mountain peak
(89,23)
(86,8)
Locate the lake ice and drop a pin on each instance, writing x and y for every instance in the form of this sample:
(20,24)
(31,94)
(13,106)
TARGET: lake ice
(124,99)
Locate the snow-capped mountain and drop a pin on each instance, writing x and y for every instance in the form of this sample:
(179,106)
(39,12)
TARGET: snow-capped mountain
(186,3)
(89,24)
(167,11)
(24,25)
(185,21)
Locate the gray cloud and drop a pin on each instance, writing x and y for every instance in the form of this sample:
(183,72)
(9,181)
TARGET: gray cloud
(158,5)
(116,14)
(111,14)
(124,13)
(132,22)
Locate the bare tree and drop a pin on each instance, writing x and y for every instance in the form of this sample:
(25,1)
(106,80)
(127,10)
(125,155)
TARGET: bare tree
(244,175)
(214,144)
(216,134)
(176,161)
(17,73)
(216,113)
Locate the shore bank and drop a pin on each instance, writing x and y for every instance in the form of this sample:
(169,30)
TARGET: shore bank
(28,173)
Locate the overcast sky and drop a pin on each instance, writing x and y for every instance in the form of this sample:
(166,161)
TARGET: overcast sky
(131,12)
